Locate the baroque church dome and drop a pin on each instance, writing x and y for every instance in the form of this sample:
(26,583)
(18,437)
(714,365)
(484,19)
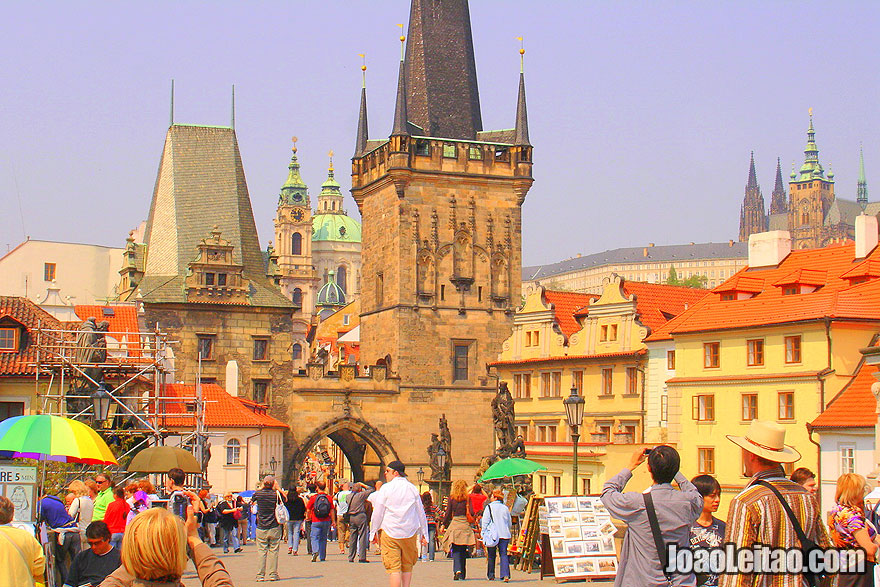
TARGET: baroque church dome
(330,222)
(331,294)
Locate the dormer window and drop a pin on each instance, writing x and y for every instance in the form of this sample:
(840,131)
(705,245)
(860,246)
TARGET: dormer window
(8,340)
(209,279)
(423,147)
(221,279)
(790,290)
(728,297)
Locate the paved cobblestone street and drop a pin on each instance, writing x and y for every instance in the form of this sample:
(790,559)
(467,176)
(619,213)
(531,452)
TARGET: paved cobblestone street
(336,570)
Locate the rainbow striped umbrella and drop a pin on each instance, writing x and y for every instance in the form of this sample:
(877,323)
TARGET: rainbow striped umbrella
(51,438)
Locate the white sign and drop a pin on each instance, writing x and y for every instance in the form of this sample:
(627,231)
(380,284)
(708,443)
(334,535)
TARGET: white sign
(19,484)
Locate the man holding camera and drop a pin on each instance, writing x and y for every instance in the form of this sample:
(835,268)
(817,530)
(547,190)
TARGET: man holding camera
(641,562)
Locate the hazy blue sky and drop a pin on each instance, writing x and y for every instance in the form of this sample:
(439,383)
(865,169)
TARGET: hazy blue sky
(642,114)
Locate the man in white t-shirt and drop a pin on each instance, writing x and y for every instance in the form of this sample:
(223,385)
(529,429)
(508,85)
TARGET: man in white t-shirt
(342,514)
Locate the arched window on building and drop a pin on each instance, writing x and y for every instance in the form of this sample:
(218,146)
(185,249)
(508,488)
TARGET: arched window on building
(340,278)
(296,244)
(297,352)
(233,452)
(297,298)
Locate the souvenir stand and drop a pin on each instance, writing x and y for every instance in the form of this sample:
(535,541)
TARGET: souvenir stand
(577,538)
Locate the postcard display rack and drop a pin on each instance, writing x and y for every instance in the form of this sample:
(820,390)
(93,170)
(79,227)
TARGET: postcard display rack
(579,539)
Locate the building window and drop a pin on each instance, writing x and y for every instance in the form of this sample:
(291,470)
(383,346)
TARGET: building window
(749,407)
(261,391)
(297,297)
(603,433)
(847,459)
(632,381)
(607,388)
(49,271)
(603,333)
(8,339)
(577,381)
(221,279)
(664,408)
(557,485)
(209,278)
(670,360)
(297,351)
(296,244)
(342,278)
(206,347)
(475,153)
(522,385)
(542,484)
(11,409)
(261,349)
(545,384)
(706,461)
(233,452)
(556,384)
(755,352)
(449,150)
(792,349)
(346,319)
(612,332)
(585,487)
(522,430)
(711,355)
(380,289)
(460,362)
(532,338)
(546,433)
(704,408)
(786,405)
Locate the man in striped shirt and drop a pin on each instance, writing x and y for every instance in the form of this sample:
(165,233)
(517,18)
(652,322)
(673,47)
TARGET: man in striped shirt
(756,515)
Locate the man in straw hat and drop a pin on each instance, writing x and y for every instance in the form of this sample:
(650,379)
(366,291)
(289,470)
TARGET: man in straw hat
(756,516)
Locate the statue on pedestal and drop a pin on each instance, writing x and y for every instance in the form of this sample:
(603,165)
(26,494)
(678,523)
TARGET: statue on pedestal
(503,416)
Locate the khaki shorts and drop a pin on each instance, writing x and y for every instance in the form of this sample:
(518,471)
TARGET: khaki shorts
(399,554)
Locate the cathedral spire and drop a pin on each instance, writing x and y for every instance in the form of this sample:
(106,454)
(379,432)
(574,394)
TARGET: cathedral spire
(294,191)
(400,114)
(862,193)
(522,119)
(752,182)
(778,200)
(753,217)
(441,73)
(811,169)
(362,132)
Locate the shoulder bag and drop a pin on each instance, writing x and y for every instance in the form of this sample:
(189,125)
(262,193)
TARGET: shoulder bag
(807,545)
(662,553)
(490,533)
(282,516)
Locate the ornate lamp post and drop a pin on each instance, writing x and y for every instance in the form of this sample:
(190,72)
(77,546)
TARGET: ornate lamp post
(101,399)
(574,412)
(273,464)
(441,463)
(420,475)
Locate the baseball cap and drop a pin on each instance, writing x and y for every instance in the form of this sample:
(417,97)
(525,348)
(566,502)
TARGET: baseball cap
(397,466)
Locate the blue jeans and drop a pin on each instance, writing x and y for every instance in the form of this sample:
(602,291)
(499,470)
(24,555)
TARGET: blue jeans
(229,535)
(504,562)
(459,559)
(293,528)
(319,538)
(432,531)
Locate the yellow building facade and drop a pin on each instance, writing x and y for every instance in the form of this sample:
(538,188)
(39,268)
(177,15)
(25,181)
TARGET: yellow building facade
(594,343)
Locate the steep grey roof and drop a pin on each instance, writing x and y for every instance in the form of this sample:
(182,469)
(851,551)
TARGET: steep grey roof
(845,211)
(778,221)
(655,254)
(201,184)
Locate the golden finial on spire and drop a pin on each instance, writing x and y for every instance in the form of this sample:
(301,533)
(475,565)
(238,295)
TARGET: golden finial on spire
(294,139)
(811,112)
(402,39)
(363,69)
(330,154)
(522,53)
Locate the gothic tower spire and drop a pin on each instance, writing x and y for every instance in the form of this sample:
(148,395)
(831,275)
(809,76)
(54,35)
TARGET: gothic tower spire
(400,110)
(440,70)
(778,200)
(522,120)
(362,132)
(862,193)
(753,217)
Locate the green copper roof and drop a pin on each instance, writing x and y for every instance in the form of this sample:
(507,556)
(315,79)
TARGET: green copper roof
(294,190)
(331,294)
(811,169)
(335,227)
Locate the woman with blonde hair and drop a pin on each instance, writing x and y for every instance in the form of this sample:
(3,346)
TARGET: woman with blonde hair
(154,550)
(850,531)
(459,536)
(81,509)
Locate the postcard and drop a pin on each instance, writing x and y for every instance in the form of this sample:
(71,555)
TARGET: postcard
(575,548)
(573,533)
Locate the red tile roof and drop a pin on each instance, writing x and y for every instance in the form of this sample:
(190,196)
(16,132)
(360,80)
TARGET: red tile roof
(835,298)
(656,303)
(853,406)
(565,304)
(637,353)
(123,323)
(221,409)
(26,313)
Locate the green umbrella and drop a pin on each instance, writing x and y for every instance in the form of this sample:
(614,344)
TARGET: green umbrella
(511,468)
(161,459)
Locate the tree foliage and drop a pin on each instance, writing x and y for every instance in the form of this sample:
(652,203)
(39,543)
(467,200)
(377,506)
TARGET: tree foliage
(698,281)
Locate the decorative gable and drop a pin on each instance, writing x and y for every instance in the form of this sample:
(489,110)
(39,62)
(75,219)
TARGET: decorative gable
(214,277)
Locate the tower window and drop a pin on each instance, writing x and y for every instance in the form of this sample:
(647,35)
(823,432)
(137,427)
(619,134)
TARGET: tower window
(297,352)
(460,361)
(449,150)
(261,391)
(475,153)
(340,278)
(480,293)
(297,297)
(442,293)
(221,279)
(296,244)
(206,347)
(380,289)
(209,278)
(423,147)
(261,349)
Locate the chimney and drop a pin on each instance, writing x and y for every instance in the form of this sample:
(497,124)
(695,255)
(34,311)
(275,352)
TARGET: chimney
(650,244)
(768,249)
(645,252)
(232,378)
(730,243)
(866,235)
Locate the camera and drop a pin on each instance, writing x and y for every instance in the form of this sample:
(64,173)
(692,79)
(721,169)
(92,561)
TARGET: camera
(179,502)
(647,451)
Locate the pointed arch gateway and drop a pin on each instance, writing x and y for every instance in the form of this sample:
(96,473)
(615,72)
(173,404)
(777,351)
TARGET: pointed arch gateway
(349,433)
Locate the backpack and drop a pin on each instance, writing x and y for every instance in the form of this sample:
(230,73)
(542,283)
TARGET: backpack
(322,506)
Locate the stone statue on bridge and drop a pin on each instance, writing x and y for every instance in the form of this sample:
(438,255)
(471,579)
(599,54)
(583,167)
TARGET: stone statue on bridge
(503,415)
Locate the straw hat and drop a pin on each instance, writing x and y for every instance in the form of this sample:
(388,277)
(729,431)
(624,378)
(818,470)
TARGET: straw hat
(766,439)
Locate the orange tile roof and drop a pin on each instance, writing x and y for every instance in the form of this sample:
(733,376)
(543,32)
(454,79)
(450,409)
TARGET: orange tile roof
(853,407)
(122,320)
(26,313)
(637,353)
(836,298)
(565,304)
(742,283)
(869,268)
(656,303)
(804,277)
(221,409)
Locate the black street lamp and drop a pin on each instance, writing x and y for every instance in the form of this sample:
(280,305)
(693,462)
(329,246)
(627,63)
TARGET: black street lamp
(101,399)
(273,464)
(420,475)
(574,412)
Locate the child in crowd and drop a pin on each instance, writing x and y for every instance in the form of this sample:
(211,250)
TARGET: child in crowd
(707,531)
